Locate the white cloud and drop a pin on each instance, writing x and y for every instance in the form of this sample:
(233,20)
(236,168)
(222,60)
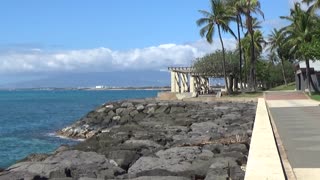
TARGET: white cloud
(104,59)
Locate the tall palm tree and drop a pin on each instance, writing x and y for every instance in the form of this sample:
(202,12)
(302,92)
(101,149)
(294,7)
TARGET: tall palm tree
(258,42)
(237,8)
(276,42)
(251,6)
(219,18)
(300,32)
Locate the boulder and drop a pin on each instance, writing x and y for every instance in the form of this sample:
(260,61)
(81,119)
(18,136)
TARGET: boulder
(171,162)
(123,158)
(126,104)
(71,163)
(140,107)
(161,178)
(176,109)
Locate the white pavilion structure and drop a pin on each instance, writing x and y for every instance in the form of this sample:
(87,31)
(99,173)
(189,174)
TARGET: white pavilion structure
(184,79)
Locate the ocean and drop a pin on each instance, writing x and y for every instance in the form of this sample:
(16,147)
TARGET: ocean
(28,119)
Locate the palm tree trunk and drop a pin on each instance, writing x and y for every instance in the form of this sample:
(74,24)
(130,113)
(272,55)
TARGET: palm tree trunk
(252,83)
(224,61)
(240,52)
(245,70)
(308,75)
(283,72)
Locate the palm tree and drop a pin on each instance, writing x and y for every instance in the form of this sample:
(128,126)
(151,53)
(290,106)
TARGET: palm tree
(276,44)
(258,42)
(219,16)
(251,6)
(299,33)
(237,8)
(315,4)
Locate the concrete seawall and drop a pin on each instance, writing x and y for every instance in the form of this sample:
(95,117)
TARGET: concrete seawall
(264,160)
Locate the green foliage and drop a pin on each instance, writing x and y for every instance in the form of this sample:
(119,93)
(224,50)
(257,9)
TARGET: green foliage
(311,50)
(270,74)
(211,64)
(218,16)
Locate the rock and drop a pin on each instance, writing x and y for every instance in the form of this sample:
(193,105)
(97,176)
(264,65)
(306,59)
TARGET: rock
(237,147)
(126,104)
(18,175)
(109,106)
(111,113)
(141,143)
(174,161)
(101,110)
(150,110)
(145,139)
(62,148)
(161,178)
(35,158)
(125,119)
(120,110)
(72,163)
(204,128)
(124,158)
(116,118)
(134,113)
(228,173)
(163,109)
(221,108)
(139,117)
(176,109)
(140,107)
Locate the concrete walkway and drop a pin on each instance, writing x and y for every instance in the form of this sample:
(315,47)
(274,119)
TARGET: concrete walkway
(296,121)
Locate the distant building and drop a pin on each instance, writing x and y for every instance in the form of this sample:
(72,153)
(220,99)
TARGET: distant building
(301,77)
(100,87)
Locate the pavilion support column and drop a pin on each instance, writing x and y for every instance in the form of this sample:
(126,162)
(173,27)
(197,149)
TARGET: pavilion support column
(184,86)
(198,84)
(173,82)
(178,78)
(192,84)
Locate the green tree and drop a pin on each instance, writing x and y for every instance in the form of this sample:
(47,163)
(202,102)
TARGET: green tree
(238,10)
(210,66)
(315,4)
(276,43)
(300,34)
(250,7)
(258,42)
(218,17)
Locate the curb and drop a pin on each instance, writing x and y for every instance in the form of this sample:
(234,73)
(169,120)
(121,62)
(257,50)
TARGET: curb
(263,161)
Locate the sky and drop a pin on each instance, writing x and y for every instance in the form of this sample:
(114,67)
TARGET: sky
(39,38)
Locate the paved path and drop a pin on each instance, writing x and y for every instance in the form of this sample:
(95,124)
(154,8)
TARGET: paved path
(297,121)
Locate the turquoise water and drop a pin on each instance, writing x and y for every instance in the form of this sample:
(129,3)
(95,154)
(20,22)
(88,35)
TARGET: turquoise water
(27,118)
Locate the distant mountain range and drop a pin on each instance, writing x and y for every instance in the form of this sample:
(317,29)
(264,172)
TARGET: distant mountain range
(111,79)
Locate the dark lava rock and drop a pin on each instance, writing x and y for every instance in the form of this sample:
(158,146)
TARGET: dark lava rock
(147,139)
(73,164)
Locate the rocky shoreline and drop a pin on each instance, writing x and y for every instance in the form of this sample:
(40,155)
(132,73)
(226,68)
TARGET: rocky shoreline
(149,139)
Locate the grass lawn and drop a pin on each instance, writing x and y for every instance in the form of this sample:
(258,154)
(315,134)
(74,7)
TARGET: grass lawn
(291,86)
(315,97)
(247,95)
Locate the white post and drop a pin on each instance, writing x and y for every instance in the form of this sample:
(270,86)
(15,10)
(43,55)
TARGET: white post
(183,83)
(192,84)
(178,77)
(173,83)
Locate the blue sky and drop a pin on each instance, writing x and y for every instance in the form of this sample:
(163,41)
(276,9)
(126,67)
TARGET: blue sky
(38,36)
(115,24)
